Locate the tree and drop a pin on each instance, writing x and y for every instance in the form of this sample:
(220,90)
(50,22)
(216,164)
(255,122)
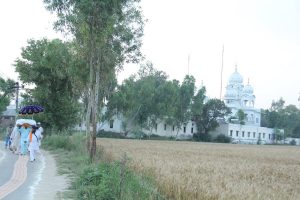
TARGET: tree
(241,116)
(198,103)
(48,65)
(109,32)
(183,113)
(213,110)
(143,99)
(282,117)
(6,92)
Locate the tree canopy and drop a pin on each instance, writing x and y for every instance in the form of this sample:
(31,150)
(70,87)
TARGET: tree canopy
(282,117)
(49,66)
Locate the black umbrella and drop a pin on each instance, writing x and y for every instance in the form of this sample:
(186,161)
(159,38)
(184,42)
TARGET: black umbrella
(31,109)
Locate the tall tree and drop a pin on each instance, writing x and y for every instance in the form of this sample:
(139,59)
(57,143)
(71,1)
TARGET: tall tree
(6,92)
(184,103)
(48,66)
(213,110)
(110,33)
(143,99)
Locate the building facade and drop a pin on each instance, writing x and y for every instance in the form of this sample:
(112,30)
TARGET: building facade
(237,97)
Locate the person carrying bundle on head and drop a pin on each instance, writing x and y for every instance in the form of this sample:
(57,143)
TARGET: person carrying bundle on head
(24,130)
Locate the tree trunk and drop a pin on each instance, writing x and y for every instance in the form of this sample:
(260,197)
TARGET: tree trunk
(95,111)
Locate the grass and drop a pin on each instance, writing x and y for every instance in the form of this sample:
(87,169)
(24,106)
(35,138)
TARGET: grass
(104,179)
(189,170)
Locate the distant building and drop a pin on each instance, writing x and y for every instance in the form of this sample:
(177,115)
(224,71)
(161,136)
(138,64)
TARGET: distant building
(237,97)
(8,116)
(241,97)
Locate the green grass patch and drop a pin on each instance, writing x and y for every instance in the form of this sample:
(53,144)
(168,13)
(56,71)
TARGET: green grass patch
(102,179)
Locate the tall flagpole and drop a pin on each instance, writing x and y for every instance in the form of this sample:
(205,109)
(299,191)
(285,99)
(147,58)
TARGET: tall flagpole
(189,64)
(222,74)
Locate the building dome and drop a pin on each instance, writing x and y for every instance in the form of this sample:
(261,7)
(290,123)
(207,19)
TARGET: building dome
(231,93)
(235,78)
(248,89)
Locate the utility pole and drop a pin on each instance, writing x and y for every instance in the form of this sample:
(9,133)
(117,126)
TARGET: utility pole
(17,87)
(189,64)
(221,74)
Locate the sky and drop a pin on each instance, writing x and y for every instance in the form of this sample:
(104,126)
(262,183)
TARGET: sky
(260,37)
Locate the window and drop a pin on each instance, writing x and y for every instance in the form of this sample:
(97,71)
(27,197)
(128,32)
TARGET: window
(253,134)
(111,124)
(155,126)
(257,120)
(231,132)
(184,129)
(173,128)
(192,130)
(237,133)
(248,134)
(264,135)
(243,133)
(269,136)
(165,127)
(259,135)
(79,124)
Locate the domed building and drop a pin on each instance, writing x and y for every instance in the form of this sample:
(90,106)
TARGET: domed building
(240,97)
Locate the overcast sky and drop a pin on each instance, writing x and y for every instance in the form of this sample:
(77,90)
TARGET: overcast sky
(261,37)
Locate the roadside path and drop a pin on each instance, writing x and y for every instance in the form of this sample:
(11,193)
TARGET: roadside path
(25,180)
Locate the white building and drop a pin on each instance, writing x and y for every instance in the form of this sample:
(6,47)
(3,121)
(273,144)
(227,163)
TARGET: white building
(241,97)
(237,97)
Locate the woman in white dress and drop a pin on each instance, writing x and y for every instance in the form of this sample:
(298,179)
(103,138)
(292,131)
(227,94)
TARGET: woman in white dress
(33,138)
(15,137)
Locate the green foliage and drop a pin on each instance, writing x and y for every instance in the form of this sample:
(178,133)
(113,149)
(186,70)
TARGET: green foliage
(6,93)
(144,98)
(293,142)
(48,65)
(204,137)
(213,110)
(109,134)
(100,180)
(113,181)
(221,138)
(241,116)
(282,117)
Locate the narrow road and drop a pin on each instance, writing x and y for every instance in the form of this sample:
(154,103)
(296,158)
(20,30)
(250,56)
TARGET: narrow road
(21,179)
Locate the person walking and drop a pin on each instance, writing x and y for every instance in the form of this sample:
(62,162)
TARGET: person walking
(41,130)
(8,134)
(15,137)
(24,130)
(34,137)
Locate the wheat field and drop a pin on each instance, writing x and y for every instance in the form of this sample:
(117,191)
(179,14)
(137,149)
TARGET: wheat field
(192,170)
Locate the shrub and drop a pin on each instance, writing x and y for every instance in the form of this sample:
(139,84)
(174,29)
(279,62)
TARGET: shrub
(110,134)
(202,137)
(221,138)
(293,142)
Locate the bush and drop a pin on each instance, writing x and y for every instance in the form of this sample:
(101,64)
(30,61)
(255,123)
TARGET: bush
(202,137)
(221,138)
(293,142)
(112,181)
(63,142)
(110,134)
(101,179)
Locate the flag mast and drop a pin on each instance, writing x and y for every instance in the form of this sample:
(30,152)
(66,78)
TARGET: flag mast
(222,74)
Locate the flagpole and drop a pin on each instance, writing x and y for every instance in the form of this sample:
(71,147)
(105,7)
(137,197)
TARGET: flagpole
(222,74)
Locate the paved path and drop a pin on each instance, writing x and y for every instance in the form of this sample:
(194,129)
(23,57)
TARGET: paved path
(20,179)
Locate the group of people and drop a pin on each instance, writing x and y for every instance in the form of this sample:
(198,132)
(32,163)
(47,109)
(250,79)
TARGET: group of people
(24,137)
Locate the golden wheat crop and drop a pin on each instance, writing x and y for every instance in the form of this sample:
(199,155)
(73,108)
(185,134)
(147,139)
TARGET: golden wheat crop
(191,170)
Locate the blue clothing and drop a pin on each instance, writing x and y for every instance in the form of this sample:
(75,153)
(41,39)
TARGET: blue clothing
(24,139)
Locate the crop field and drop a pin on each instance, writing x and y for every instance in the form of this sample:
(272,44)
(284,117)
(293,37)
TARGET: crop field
(191,170)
